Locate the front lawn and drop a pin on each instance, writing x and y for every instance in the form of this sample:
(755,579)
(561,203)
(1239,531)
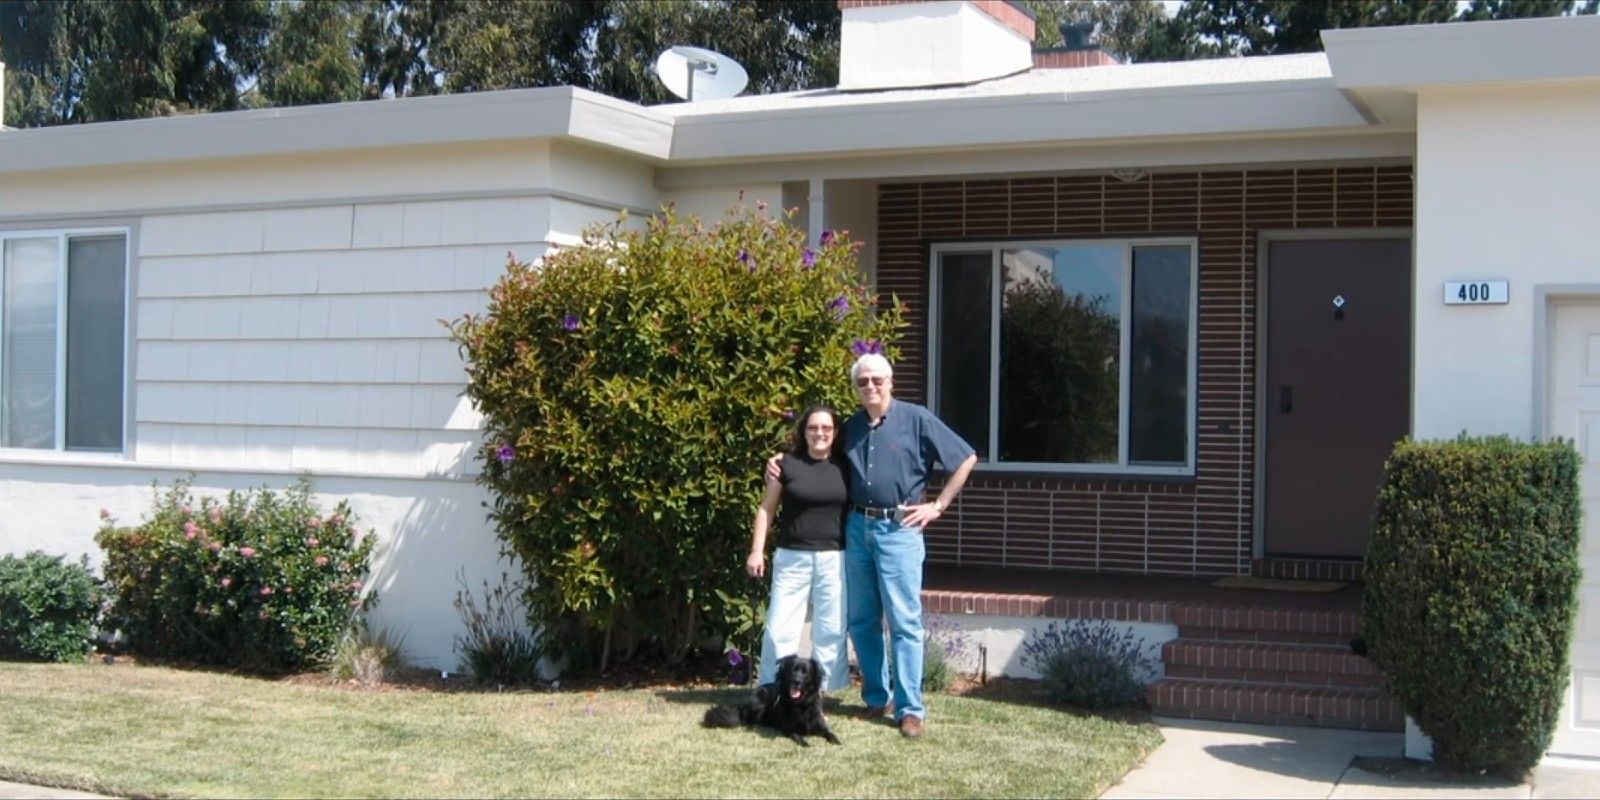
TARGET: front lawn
(157,731)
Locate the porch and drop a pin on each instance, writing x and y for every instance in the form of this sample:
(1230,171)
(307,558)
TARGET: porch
(1236,654)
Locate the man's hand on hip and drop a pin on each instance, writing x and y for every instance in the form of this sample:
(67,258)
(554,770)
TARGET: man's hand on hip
(921,514)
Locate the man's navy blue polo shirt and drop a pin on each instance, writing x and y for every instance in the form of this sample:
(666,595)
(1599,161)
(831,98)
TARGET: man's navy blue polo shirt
(889,463)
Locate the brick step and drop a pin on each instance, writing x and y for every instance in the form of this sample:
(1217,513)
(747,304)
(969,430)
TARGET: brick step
(1248,636)
(1265,623)
(1359,709)
(1296,664)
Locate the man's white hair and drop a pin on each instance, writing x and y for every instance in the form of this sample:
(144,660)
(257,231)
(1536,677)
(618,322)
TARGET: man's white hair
(871,360)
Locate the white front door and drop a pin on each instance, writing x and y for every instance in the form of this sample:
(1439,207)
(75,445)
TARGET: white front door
(1574,413)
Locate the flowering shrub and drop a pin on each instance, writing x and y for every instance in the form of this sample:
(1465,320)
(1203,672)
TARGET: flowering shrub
(1089,664)
(945,649)
(48,607)
(260,581)
(631,388)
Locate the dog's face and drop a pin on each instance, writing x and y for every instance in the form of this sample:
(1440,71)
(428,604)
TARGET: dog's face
(799,679)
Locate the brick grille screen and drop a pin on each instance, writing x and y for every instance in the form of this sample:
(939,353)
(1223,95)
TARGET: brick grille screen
(1200,526)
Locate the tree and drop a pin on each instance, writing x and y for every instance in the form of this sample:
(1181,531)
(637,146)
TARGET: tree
(97,60)
(610,46)
(313,55)
(397,41)
(1270,27)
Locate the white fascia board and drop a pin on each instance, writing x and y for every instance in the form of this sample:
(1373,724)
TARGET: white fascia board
(1231,152)
(559,112)
(1415,56)
(1241,109)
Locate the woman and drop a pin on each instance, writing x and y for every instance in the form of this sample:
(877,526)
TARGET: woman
(808,565)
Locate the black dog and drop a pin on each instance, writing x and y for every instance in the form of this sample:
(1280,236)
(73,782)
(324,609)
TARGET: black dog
(792,705)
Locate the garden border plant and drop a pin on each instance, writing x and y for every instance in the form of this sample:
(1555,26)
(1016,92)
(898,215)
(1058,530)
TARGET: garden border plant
(1471,594)
(631,387)
(48,607)
(1090,664)
(261,580)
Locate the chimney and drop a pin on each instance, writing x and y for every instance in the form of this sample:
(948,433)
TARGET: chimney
(1079,51)
(895,44)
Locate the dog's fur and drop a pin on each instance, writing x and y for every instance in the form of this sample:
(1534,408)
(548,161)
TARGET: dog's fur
(792,705)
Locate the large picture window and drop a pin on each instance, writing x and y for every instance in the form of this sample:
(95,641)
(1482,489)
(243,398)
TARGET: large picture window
(63,302)
(1068,356)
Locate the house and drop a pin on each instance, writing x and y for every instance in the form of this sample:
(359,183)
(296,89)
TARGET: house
(1288,262)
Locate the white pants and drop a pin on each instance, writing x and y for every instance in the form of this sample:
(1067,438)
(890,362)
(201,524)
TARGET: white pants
(799,576)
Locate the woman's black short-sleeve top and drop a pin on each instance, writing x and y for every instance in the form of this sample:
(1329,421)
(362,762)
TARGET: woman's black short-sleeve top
(814,497)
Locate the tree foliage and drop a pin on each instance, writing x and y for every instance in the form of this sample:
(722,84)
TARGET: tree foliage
(1140,30)
(97,60)
(631,389)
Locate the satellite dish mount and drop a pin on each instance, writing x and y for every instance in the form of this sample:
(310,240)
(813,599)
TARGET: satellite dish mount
(691,72)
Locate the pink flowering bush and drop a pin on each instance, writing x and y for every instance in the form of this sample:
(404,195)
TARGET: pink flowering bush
(261,580)
(631,389)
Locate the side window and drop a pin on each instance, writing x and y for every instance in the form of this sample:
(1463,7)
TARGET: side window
(62,323)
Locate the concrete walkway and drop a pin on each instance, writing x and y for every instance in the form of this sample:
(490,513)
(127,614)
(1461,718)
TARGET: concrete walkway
(1224,759)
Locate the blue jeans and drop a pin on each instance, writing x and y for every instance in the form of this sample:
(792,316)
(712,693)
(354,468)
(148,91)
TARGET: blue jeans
(883,575)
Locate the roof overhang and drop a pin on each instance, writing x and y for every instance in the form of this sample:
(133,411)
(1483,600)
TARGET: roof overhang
(547,113)
(1252,110)
(1382,69)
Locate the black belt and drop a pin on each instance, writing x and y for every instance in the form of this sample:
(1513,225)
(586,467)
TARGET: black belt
(875,512)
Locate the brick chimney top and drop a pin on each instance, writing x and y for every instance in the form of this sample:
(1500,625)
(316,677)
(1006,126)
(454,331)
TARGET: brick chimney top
(1080,50)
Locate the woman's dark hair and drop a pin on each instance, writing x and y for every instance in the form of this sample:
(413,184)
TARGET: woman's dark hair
(797,441)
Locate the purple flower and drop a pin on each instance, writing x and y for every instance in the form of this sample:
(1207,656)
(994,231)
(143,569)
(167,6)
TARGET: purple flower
(735,658)
(746,259)
(505,453)
(840,306)
(865,346)
(570,322)
(809,259)
(788,416)
(827,238)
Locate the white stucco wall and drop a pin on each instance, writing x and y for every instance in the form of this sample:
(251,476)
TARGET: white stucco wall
(1002,638)
(286,321)
(1506,182)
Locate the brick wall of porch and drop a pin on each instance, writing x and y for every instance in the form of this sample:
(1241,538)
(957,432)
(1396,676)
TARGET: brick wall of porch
(1199,526)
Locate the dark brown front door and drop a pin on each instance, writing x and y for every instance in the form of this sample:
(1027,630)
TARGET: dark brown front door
(1338,375)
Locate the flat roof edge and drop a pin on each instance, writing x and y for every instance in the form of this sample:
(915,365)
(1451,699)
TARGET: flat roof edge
(543,113)
(1507,51)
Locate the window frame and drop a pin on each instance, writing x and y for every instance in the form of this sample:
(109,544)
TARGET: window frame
(63,236)
(990,462)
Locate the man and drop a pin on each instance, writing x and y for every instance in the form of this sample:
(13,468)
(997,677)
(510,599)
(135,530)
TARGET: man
(892,446)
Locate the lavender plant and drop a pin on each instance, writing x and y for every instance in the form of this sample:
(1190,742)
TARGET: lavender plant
(1088,664)
(945,648)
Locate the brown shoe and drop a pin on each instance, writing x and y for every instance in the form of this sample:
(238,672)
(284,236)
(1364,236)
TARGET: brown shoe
(911,726)
(871,713)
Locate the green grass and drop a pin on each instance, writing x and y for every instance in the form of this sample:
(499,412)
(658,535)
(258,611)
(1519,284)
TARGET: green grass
(156,731)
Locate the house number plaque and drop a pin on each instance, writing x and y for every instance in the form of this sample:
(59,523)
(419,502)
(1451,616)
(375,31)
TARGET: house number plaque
(1476,293)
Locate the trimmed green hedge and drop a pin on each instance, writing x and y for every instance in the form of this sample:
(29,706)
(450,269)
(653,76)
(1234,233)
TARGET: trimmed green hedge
(1471,594)
(48,607)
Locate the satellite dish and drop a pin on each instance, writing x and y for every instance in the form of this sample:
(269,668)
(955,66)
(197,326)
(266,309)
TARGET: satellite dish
(693,72)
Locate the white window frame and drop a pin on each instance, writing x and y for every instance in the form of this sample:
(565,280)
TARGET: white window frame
(62,235)
(989,462)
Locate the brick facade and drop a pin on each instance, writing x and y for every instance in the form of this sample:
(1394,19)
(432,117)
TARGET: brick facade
(1194,526)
